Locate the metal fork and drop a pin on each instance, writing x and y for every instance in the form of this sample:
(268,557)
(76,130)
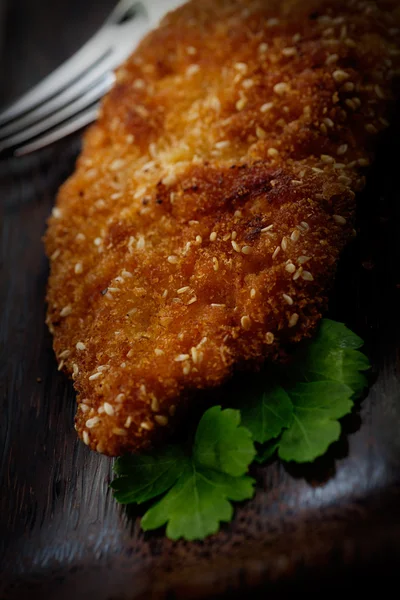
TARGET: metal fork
(68,99)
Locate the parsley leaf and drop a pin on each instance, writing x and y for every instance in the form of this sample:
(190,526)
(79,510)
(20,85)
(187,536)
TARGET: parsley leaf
(266,412)
(144,476)
(197,503)
(316,408)
(200,487)
(221,443)
(333,355)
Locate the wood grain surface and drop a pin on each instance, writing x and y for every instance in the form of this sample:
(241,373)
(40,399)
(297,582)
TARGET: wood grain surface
(309,529)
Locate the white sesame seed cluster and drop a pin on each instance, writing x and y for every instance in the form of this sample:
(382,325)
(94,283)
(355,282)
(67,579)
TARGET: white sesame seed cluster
(201,229)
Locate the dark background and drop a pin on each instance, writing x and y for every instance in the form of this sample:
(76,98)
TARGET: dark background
(309,530)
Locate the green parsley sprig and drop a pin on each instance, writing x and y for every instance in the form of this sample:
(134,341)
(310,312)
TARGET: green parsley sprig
(294,414)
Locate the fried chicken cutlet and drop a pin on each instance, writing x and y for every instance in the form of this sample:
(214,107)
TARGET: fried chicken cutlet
(201,230)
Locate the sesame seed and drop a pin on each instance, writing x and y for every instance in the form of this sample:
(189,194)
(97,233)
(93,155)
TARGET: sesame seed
(192,69)
(92,422)
(267,228)
(363,162)
(261,133)
(234,235)
(237,214)
(272,152)
(247,83)
(379,92)
(306,275)
(215,305)
(56,212)
(269,337)
(213,236)
(241,67)
(126,274)
(340,76)
(266,107)
(290,51)
(328,122)
(158,352)
(119,431)
(298,273)
(181,357)
(331,58)
(215,263)
(263,47)
(349,86)
(199,239)
(369,128)
(55,254)
(95,376)
(295,235)
(284,243)
(67,310)
(287,299)
(182,290)
(186,369)
(290,268)
(120,398)
(245,322)
(235,246)
(140,244)
(272,22)
(246,249)
(342,149)
(194,354)
(192,300)
(114,289)
(161,420)
(351,104)
(281,88)
(117,164)
(169,179)
(78,268)
(108,409)
(327,159)
(80,237)
(241,103)
(64,354)
(172,259)
(304,225)
(155,405)
(60,366)
(97,241)
(276,252)
(303,259)
(128,422)
(344,180)
(84,407)
(222,144)
(252,293)
(293,319)
(145,425)
(100,410)
(75,370)
(339,219)
(296,38)
(85,437)
(80,346)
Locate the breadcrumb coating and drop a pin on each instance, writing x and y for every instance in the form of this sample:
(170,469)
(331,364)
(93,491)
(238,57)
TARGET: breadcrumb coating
(200,232)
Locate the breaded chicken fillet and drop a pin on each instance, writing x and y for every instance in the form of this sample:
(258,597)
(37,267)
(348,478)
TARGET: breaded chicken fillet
(201,230)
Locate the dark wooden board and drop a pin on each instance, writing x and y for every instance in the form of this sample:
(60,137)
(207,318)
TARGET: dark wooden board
(61,533)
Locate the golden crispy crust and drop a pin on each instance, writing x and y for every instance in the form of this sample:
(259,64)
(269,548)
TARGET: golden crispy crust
(201,229)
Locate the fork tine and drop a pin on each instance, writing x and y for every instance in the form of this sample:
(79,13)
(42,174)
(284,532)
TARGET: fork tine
(82,86)
(74,108)
(73,68)
(61,78)
(67,128)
